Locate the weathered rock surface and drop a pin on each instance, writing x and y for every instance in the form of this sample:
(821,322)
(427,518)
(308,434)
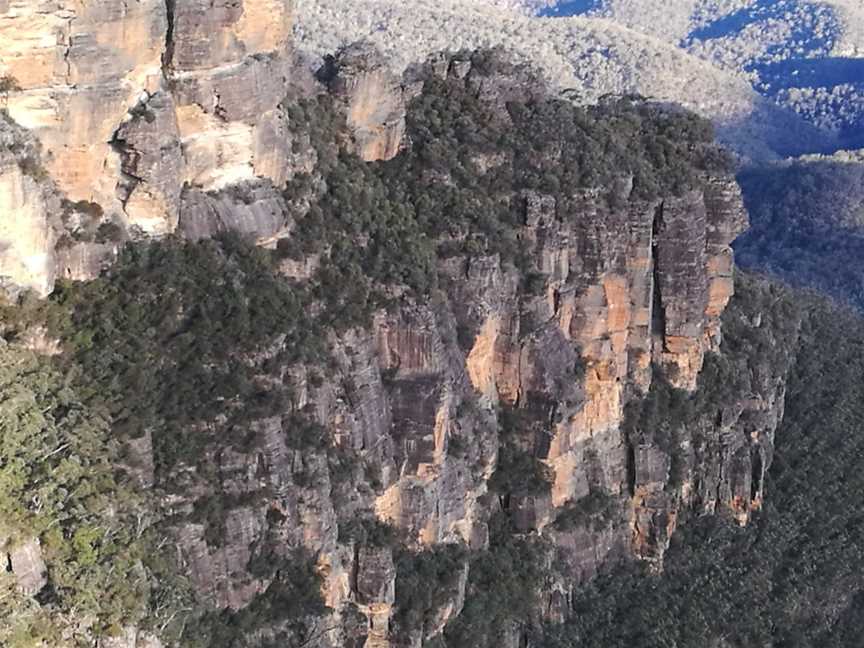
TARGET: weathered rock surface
(374,97)
(253,208)
(132,101)
(420,413)
(130,638)
(25,562)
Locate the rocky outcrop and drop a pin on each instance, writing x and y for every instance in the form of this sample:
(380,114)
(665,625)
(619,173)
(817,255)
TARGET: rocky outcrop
(130,638)
(132,101)
(254,208)
(80,69)
(151,165)
(711,455)
(28,207)
(376,593)
(416,403)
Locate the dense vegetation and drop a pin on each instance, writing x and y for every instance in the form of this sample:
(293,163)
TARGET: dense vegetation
(178,343)
(163,342)
(290,604)
(58,484)
(504,587)
(807,226)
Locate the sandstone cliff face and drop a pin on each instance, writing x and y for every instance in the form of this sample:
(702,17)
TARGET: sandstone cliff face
(374,99)
(132,101)
(28,206)
(420,413)
(416,401)
(166,117)
(141,105)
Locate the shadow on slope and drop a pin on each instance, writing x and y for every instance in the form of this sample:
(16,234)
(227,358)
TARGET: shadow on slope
(801,16)
(771,131)
(807,226)
(730,24)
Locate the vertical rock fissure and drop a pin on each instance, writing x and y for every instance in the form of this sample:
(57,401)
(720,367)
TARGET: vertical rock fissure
(658,313)
(127,181)
(720,477)
(355,570)
(67,61)
(168,54)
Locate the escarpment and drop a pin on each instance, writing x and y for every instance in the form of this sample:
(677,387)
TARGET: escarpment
(480,324)
(136,104)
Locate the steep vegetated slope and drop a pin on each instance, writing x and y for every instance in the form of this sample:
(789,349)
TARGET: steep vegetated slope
(410,360)
(436,409)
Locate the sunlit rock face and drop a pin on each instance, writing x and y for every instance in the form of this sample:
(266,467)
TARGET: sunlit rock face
(133,100)
(374,99)
(164,117)
(28,207)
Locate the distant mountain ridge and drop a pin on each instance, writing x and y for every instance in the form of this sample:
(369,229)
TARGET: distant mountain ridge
(802,54)
(716,58)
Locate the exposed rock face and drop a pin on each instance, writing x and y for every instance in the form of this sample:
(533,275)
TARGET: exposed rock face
(130,638)
(151,164)
(133,100)
(27,203)
(722,451)
(374,98)
(419,413)
(376,593)
(137,104)
(81,68)
(254,208)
